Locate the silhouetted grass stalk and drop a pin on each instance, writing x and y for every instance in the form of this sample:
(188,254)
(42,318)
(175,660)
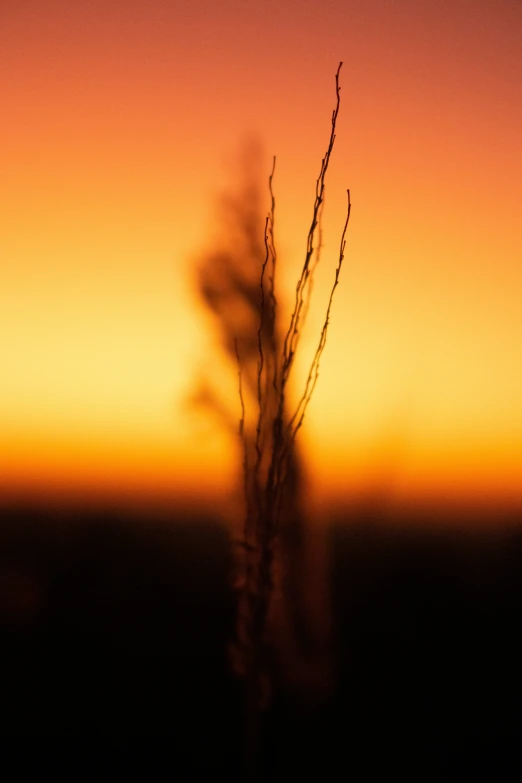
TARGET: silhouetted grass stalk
(268,464)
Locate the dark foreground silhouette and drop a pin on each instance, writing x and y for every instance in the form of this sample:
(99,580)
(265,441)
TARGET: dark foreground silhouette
(114,629)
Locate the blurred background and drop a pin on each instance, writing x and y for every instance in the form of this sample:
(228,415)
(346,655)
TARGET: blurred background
(121,123)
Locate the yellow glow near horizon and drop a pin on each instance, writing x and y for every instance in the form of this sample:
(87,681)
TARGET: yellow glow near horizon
(115,131)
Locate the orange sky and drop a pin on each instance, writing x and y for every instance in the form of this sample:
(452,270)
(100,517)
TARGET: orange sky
(119,120)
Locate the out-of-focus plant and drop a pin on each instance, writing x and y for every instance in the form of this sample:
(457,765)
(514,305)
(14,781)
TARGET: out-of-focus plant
(238,284)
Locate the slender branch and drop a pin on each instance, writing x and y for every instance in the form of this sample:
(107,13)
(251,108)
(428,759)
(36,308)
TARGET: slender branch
(244,442)
(261,401)
(273,254)
(314,265)
(314,369)
(292,336)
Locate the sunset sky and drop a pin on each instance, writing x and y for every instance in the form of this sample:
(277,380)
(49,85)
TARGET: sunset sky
(119,123)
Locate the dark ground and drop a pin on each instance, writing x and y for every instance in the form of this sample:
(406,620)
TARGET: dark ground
(113,634)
